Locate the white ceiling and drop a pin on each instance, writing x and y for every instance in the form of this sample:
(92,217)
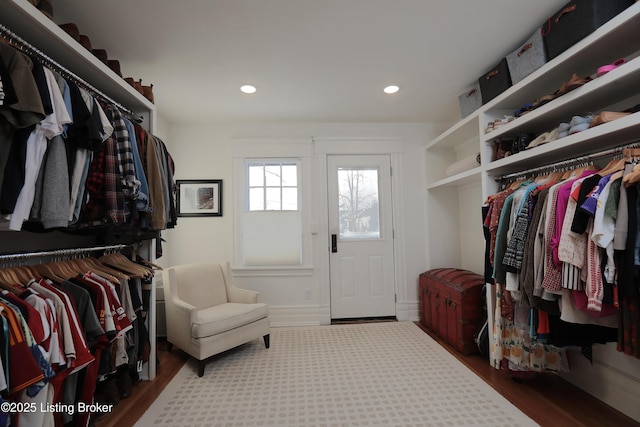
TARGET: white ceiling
(311,60)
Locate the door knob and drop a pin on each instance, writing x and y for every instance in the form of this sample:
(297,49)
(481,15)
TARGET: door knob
(334,243)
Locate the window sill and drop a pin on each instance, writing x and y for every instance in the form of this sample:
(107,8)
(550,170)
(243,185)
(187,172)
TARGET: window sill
(261,271)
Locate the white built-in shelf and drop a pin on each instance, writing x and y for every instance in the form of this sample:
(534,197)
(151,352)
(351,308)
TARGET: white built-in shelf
(21,17)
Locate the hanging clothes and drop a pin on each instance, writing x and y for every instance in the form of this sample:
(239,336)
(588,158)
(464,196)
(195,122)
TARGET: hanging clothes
(557,261)
(67,335)
(76,161)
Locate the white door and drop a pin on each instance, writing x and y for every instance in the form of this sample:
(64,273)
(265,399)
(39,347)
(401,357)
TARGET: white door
(361,237)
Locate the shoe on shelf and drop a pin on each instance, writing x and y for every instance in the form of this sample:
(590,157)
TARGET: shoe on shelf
(607,116)
(538,141)
(147,91)
(71,29)
(544,138)
(86,42)
(552,136)
(579,123)
(574,83)
(101,54)
(114,64)
(610,67)
(633,109)
(563,130)
(544,99)
(489,127)
(523,110)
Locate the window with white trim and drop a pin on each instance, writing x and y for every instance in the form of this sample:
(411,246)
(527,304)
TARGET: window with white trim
(272,220)
(272,185)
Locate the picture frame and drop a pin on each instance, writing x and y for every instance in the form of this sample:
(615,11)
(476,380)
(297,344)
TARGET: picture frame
(199,197)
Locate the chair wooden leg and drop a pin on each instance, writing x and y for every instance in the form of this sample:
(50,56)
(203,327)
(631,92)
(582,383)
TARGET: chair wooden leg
(200,368)
(266,341)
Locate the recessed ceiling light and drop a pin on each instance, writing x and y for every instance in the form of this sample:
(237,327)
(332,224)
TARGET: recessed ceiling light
(391,89)
(248,89)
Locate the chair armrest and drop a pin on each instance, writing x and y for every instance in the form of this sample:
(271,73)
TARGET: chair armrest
(235,294)
(243,296)
(179,317)
(183,306)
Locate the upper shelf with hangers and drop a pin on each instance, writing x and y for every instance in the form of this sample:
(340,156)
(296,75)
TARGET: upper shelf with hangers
(619,155)
(38,32)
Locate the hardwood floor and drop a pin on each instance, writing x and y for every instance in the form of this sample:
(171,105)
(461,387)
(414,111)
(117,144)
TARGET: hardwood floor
(547,399)
(129,410)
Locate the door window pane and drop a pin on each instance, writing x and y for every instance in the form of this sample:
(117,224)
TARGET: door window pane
(358,204)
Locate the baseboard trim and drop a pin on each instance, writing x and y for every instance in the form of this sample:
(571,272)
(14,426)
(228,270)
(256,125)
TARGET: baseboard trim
(302,315)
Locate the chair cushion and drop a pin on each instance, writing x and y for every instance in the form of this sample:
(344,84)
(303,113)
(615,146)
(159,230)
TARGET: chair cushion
(224,317)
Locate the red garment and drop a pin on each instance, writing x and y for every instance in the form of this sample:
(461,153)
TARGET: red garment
(32,316)
(120,318)
(23,368)
(543,323)
(83,357)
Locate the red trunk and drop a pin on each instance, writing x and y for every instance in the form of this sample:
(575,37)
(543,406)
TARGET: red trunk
(451,305)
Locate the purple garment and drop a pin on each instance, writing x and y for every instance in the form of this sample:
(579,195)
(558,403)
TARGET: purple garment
(591,203)
(561,209)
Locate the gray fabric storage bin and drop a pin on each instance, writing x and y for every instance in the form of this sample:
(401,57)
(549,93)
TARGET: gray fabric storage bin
(527,58)
(470,101)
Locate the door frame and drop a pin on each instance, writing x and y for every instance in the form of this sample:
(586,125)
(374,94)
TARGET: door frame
(359,146)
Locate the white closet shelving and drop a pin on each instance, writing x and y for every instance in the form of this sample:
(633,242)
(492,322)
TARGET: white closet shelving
(27,22)
(21,17)
(455,237)
(451,198)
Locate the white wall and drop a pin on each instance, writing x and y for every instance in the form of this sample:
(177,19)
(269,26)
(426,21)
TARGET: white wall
(204,152)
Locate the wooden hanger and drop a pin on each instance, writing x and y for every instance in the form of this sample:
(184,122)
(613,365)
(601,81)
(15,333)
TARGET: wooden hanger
(613,166)
(23,275)
(45,270)
(516,184)
(7,282)
(123,263)
(61,270)
(101,267)
(8,278)
(150,264)
(633,177)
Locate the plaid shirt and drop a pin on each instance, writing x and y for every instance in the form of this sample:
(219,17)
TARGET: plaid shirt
(117,210)
(111,185)
(124,153)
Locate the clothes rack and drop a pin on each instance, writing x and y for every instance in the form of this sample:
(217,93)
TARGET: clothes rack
(62,252)
(587,159)
(45,59)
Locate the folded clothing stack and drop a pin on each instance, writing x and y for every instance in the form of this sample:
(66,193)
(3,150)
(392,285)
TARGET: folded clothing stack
(463,164)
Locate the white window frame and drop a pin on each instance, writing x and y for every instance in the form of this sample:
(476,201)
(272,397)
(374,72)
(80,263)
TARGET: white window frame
(271,162)
(273,150)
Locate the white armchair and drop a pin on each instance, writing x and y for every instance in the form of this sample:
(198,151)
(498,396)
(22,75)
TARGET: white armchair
(206,314)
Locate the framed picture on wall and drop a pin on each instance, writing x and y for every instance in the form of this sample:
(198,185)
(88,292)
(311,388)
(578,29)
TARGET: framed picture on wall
(199,197)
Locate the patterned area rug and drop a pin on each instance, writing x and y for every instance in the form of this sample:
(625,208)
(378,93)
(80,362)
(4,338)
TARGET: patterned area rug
(378,374)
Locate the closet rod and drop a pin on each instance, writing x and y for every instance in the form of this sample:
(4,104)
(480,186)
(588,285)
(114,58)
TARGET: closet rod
(570,162)
(27,47)
(62,252)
